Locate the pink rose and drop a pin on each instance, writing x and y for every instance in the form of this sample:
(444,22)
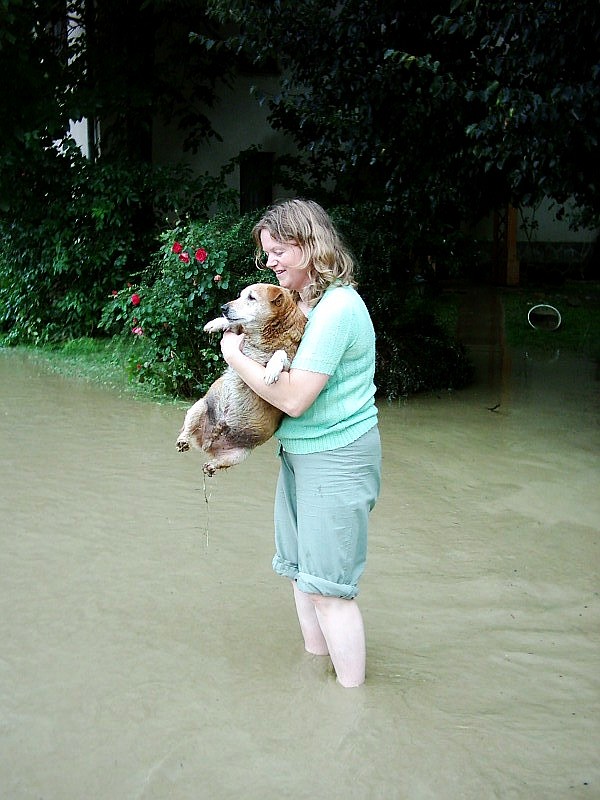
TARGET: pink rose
(177,248)
(217,278)
(201,255)
(135,299)
(137,331)
(115,292)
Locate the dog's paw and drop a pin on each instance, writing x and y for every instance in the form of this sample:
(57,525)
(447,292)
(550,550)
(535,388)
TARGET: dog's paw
(272,376)
(209,469)
(215,325)
(182,446)
(275,366)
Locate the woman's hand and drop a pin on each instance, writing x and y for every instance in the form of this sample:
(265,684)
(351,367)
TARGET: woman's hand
(231,344)
(293,393)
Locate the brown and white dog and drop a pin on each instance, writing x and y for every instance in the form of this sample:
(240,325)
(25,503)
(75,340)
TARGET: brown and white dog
(230,420)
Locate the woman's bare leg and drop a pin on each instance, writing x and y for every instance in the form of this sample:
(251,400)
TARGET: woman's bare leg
(344,632)
(335,626)
(314,641)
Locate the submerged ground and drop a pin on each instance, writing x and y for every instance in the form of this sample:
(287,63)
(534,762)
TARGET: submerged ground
(149,652)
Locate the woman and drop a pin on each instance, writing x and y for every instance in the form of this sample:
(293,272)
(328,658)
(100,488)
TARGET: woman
(329,441)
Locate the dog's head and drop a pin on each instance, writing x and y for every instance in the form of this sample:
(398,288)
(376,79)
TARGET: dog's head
(258,305)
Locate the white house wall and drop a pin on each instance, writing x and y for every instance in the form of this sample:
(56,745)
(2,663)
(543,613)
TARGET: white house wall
(539,224)
(79,134)
(240,121)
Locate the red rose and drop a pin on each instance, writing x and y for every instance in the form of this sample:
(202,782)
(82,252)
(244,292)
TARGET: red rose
(184,257)
(177,248)
(135,299)
(201,255)
(115,292)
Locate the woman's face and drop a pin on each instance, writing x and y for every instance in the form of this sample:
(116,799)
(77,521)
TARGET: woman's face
(284,259)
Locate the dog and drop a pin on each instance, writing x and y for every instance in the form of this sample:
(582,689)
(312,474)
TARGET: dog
(231,420)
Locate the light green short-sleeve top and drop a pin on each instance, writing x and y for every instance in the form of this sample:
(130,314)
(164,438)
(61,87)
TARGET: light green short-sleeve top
(338,341)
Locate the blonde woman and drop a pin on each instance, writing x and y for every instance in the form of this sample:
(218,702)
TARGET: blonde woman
(330,450)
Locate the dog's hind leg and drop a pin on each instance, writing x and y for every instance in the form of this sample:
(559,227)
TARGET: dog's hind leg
(194,419)
(225,459)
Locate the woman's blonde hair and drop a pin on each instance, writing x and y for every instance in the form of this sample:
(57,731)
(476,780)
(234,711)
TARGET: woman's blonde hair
(306,224)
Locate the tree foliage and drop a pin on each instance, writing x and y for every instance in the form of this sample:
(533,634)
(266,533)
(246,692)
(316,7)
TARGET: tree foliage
(33,100)
(72,228)
(121,62)
(140,66)
(437,111)
(443,111)
(529,73)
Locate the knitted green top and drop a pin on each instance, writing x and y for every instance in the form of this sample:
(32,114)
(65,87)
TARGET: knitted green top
(338,341)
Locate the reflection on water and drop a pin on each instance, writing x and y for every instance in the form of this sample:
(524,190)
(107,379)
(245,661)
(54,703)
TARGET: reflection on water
(142,660)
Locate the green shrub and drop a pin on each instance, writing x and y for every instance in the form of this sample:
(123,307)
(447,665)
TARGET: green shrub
(417,355)
(83,241)
(179,293)
(415,351)
(199,266)
(80,230)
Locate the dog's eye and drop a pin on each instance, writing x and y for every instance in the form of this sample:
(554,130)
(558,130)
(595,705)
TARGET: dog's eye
(251,297)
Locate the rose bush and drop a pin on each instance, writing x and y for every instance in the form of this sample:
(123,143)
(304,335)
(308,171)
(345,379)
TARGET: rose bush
(81,230)
(199,266)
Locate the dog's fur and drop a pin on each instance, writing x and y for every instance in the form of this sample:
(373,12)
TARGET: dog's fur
(230,420)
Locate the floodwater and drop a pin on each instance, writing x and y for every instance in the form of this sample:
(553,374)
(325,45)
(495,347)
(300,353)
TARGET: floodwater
(147,650)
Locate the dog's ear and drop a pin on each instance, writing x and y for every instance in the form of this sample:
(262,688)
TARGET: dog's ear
(277,296)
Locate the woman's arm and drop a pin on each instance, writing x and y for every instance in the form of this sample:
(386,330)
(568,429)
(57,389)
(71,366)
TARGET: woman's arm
(293,393)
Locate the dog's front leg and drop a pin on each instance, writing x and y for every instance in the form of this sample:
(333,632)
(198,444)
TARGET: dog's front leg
(215,325)
(275,366)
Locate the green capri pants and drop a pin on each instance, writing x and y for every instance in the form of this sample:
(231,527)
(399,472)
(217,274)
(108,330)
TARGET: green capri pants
(322,506)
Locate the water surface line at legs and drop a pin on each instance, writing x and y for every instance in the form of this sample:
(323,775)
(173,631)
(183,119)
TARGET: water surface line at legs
(334,625)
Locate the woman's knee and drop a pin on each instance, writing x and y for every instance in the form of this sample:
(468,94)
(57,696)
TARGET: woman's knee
(324,602)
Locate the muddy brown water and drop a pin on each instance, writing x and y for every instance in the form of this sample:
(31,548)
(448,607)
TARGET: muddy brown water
(147,650)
